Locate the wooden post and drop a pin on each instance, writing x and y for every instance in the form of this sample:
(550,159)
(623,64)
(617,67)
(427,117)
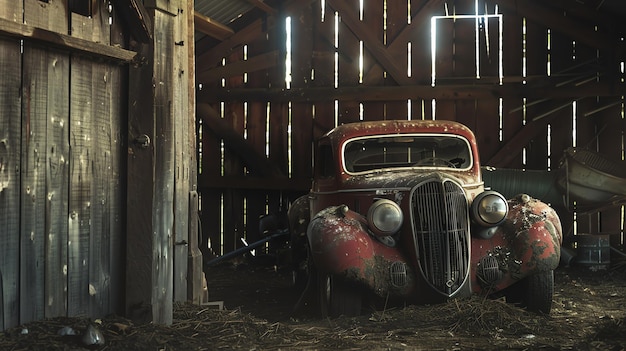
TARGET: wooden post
(182,166)
(151,171)
(195,272)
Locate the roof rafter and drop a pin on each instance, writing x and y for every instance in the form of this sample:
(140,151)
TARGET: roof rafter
(371,42)
(263,6)
(210,27)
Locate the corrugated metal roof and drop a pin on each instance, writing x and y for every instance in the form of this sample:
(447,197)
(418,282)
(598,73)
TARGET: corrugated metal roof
(223,11)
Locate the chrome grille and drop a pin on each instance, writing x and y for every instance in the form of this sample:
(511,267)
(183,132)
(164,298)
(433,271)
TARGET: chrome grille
(441,231)
(398,274)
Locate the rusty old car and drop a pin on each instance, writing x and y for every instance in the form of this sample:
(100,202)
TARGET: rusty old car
(398,211)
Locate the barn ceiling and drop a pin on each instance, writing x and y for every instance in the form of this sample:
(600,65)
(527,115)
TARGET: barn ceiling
(222,25)
(218,18)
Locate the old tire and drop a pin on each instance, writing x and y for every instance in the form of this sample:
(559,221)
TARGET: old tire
(539,292)
(534,293)
(337,297)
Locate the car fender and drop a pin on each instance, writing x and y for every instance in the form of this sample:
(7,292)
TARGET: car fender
(341,245)
(534,232)
(528,242)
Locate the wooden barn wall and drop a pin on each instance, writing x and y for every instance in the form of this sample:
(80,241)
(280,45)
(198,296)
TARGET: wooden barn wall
(61,145)
(234,195)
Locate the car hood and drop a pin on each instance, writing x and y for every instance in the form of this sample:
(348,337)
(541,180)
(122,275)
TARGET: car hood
(406,179)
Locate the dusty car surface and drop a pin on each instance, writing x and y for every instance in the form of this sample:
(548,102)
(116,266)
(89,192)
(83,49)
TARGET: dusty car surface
(398,211)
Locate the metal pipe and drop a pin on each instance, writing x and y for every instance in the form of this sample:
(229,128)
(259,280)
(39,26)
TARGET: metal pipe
(243,250)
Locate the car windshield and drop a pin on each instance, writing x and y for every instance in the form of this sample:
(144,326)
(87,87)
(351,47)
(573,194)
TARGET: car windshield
(410,151)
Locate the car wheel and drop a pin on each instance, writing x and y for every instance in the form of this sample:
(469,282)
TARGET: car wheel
(337,297)
(534,292)
(539,292)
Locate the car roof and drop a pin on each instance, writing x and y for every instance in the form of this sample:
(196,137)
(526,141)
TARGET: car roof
(351,130)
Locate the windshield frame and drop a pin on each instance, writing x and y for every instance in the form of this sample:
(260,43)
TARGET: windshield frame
(470,155)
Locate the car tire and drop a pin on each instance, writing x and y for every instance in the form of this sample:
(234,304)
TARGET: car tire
(534,293)
(337,297)
(539,292)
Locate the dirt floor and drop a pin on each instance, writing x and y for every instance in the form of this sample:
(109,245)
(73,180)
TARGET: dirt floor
(589,313)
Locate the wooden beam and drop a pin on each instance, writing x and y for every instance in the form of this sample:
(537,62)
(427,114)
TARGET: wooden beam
(237,68)
(195,274)
(371,42)
(137,19)
(263,6)
(151,173)
(513,147)
(399,93)
(213,57)
(256,163)
(374,75)
(587,11)
(211,27)
(537,12)
(256,183)
(64,41)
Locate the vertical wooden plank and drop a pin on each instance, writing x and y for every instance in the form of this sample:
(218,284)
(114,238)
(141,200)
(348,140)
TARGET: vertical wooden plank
(536,59)
(512,119)
(195,283)
(279,127)
(237,113)
(117,88)
(117,84)
(489,44)
(210,161)
(444,58)
(271,201)
(163,214)
(348,66)
(487,127)
(323,67)
(81,178)
(57,183)
(421,58)
(10,169)
(302,113)
(396,22)
(487,124)
(101,148)
(33,194)
(561,60)
(421,55)
(256,128)
(463,62)
(51,15)
(374,17)
(140,193)
(149,290)
(182,152)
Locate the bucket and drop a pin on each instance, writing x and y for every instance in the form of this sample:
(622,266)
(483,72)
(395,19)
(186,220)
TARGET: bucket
(593,251)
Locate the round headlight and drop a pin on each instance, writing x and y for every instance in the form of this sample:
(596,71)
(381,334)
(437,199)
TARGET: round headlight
(384,217)
(489,208)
